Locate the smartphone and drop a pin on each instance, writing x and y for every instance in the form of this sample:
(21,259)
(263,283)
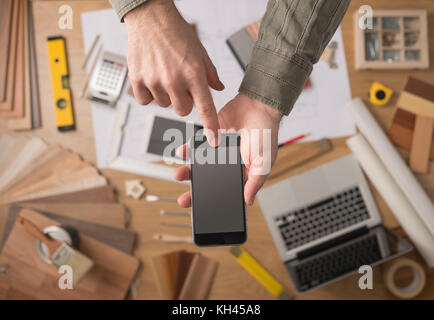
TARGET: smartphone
(217,192)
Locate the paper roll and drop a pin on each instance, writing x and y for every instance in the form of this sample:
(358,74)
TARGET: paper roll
(414,288)
(393,162)
(394,197)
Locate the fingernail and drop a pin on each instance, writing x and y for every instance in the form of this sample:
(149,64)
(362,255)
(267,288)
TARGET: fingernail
(179,152)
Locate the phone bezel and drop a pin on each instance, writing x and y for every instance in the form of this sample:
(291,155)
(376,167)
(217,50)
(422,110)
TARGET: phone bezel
(217,238)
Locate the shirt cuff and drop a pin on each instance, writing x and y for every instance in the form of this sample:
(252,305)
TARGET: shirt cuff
(274,78)
(122,7)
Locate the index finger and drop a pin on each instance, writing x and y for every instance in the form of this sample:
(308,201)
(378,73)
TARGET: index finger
(206,109)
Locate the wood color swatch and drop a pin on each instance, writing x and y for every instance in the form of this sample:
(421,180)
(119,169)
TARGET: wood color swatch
(182,275)
(117,238)
(199,279)
(5,29)
(418,98)
(35,102)
(6,104)
(17,109)
(108,214)
(27,276)
(103,194)
(402,128)
(23,109)
(63,173)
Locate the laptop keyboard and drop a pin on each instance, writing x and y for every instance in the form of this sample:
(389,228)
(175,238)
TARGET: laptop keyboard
(343,260)
(322,218)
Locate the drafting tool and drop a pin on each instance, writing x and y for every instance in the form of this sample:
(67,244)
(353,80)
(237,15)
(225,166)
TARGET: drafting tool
(259,273)
(152,198)
(176,225)
(86,82)
(300,154)
(60,83)
(172,238)
(89,54)
(171,213)
(292,140)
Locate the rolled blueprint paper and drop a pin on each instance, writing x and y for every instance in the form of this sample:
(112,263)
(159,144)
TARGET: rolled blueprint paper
(393,162)
(394,197)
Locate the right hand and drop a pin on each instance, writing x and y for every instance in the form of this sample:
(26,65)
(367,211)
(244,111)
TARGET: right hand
(168,64)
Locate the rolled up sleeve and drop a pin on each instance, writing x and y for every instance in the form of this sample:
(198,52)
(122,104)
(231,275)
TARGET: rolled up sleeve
(292,37)
(122,7)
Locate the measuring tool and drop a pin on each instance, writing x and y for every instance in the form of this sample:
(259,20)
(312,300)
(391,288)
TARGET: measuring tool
(60,83)
(260,274)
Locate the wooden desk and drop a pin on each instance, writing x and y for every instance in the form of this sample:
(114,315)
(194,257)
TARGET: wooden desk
(232,282)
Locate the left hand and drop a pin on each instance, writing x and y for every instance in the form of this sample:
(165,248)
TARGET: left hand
(245,113)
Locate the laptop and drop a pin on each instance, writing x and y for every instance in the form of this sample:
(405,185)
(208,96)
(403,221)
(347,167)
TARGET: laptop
(325,224)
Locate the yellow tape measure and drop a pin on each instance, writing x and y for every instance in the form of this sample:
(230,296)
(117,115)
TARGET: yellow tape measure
(260,274)
(60,83)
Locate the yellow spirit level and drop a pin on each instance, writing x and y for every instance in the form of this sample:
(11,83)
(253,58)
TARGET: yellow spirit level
(60,83)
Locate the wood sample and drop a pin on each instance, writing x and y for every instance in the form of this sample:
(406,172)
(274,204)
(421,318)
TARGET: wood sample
(20,157)
(17,101)
(401,130)
(27,275)
(418,98)
(184,259)
(398,40)
(35,102)
(199,279)
(121,239)
(109,214)
(103,194)
(6,104)
(5,30)
(24,108)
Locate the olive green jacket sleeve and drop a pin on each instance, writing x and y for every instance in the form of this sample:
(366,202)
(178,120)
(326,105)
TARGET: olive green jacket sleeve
(292,37)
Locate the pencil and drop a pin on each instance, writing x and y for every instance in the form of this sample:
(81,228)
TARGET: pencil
(292,140)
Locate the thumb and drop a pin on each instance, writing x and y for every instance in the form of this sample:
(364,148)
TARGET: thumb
(211,73)
(254,182)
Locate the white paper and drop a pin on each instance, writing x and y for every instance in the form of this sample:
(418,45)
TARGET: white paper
(394,197)
(319,111)
(400,172)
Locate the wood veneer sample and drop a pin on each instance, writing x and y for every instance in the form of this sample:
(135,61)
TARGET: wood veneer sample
(5,33)
(199,279)
(103,194)
(402,128)
(24,108)
(17,98)
(7,101)
(109,214)
(28,274)
(121,239)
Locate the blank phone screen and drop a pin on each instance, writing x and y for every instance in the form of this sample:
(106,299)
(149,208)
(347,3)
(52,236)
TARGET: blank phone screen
(217,187)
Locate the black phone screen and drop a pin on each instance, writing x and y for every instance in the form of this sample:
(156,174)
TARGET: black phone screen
(217,192)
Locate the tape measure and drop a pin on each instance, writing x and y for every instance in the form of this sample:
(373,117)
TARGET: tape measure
(260,274)
(60,83)
(379,94)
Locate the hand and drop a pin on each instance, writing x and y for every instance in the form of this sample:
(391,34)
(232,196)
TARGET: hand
(244,113)
(168,64)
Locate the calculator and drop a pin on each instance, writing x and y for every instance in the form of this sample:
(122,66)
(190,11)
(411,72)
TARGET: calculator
(108,78)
